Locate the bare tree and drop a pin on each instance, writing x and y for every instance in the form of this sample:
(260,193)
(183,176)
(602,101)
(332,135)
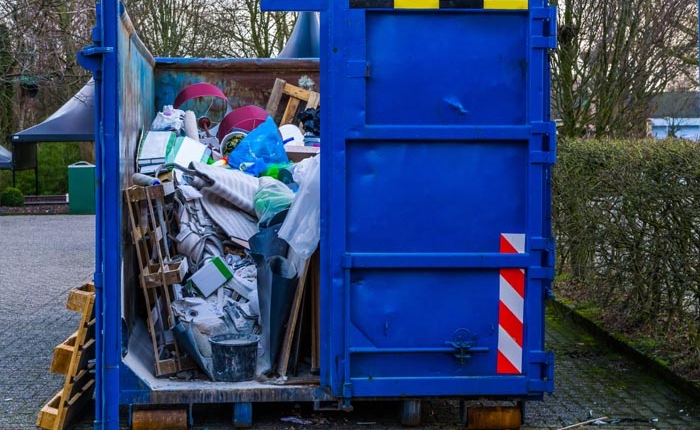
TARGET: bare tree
(6,88)
(43,39)
(176,28)
(614,57)
(256,34)
(208,28)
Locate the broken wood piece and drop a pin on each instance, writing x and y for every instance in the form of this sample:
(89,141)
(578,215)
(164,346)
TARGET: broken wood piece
(583,423)
(287,341)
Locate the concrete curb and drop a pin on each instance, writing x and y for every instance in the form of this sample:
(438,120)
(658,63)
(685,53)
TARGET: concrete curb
(687,386)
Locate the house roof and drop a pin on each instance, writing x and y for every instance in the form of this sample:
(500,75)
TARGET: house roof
(676,104)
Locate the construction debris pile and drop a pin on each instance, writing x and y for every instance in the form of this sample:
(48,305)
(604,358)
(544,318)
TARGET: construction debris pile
(224,218)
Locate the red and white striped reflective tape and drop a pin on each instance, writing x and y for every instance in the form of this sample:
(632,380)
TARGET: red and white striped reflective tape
(511,309)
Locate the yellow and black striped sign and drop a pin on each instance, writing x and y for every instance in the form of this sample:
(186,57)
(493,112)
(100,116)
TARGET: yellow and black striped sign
(439,4)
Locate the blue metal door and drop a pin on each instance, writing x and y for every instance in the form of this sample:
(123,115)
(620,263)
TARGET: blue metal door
(436,152)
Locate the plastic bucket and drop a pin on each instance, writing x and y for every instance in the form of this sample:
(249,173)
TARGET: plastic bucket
(234,356)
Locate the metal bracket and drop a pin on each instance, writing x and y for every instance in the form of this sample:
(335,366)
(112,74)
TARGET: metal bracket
(91,56)
(546,360)
(548,40)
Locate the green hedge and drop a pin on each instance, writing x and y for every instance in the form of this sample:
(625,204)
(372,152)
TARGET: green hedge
(626,216)
(54,159)
(11,197)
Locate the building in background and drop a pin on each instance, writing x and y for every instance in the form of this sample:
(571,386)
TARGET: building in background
(676,114)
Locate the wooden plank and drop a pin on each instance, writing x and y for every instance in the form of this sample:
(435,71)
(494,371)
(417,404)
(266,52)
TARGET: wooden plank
(58,412)
(75,393)
(315,311)
(77,297)
(75,406)
(292,367)
(48,413)
(297,92)
(288,338)
(62,355)
(314,100)
(166,367)
(174,273)
(78,384)
(275,97)
(290,112)
(138,193)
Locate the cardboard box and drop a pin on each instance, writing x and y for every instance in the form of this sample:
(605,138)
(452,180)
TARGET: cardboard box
(211,276)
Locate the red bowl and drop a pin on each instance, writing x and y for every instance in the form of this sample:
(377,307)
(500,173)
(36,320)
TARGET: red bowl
(244,118)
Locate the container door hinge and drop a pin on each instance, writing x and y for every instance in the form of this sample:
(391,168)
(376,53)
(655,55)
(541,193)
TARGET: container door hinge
(91,56)
(548,38)
(545,381)
(547,247)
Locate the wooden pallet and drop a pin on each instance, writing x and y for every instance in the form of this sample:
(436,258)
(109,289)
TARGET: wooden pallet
(294,96)
(73,358)
(159,271)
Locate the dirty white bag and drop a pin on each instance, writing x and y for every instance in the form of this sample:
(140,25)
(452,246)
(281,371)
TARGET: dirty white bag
(302,226)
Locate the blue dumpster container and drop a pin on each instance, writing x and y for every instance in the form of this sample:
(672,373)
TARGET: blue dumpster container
(436,247)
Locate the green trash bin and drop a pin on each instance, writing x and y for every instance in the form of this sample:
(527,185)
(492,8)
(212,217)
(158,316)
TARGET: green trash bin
(81,188)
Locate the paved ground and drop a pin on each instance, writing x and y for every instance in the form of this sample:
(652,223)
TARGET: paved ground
(43,257)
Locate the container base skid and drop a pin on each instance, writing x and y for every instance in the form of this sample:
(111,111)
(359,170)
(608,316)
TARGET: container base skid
(163,399)
(145,388)
(392,412)
(154,401)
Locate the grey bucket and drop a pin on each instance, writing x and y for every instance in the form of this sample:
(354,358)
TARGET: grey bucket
(234,356)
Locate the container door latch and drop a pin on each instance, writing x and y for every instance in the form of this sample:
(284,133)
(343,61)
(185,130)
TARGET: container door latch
(464,344)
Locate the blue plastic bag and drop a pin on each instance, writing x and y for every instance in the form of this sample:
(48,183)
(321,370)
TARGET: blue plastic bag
(264,143)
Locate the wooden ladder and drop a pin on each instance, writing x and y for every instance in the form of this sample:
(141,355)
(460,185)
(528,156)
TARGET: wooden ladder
(73,358)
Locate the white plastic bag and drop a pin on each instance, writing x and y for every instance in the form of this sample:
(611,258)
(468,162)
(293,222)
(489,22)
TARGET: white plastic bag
(170,119)
(302,227)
